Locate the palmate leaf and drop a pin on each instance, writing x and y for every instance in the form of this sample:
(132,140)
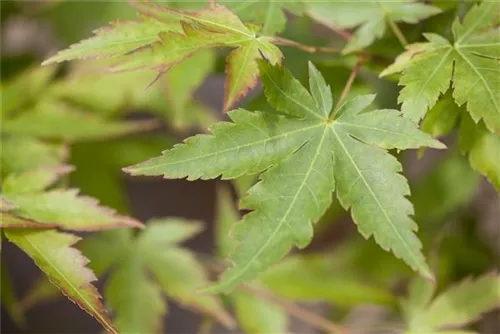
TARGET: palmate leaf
(457,306)
(64,266)
(270,14)
(183,34)
(305,155)
(471,63)
(371,17)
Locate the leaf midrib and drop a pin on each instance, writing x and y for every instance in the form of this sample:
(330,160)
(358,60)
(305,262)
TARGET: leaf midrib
(232,148)
(89,305)
(290,206)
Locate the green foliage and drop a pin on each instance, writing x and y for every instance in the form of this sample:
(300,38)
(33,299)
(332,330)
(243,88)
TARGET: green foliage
(68,131)
(298,149)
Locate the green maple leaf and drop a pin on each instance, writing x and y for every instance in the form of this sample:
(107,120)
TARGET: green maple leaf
(371,17)
(136,298)
(267,13)
(190,32)
(305,154)
(457,306)
(470,62)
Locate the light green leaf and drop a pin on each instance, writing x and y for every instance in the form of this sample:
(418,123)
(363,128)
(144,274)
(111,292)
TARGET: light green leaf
(68,209)
(471,62)
(41,291)
(482,148)
(441,118)
(34,180)
(25,88)
(268,13)
(65,267)
(52,119)
(304,157)
(439,194)
(19,154)
(181,277)
(168,232)
(371,18)
(463,303)
(226,215)
(313,277)
(117,39)
(135,299)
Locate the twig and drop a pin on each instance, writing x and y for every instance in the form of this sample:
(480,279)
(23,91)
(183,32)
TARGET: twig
(399,34)
(297,311)
(307,48)
(348,84)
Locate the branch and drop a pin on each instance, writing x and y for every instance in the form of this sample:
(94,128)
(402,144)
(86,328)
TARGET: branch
(349,83)
(307,48)
(399,34)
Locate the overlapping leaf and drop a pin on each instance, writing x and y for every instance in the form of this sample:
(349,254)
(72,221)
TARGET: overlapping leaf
(471,62)
(163,45)
(370,17)
(457,306)
(305,156)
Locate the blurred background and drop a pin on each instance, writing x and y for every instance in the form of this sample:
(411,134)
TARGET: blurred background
(456,208)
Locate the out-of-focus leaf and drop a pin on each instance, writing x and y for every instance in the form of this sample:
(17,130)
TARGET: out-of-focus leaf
(34,180)
(371,18)
(270,14)
(441,118)
(41,291)
(439,193)
(112,156)
(482,149)
(65,267)
(19,154)
(56,120)
(25,88)
(135,299)
(313,277)
(461,303)
(9,299)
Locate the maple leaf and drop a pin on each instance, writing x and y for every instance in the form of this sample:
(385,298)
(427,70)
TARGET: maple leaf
(135,298)
(470,62)
(371,17)
(457,306)
(305,155)
(270,14)
(213,26)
